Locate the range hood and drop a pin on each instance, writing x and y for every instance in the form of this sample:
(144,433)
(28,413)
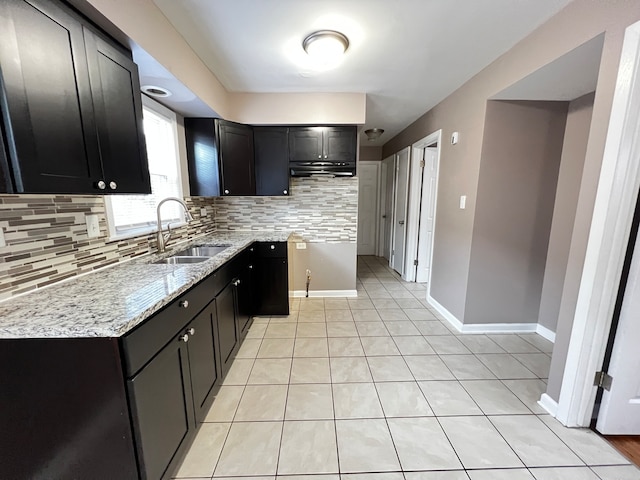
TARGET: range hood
(322,169)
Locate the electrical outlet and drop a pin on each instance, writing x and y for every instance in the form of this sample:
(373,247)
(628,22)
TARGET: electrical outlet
(3,242)
(203,212)
(301,245)
(93,226)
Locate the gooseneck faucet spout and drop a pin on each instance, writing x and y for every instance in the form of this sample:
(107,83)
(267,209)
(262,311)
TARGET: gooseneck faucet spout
(163,239)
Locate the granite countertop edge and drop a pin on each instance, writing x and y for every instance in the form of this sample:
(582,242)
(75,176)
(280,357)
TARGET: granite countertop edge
(111,302)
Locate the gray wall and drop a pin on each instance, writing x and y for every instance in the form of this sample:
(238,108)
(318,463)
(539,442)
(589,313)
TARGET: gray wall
(521,155)
(573,153)
(464,111)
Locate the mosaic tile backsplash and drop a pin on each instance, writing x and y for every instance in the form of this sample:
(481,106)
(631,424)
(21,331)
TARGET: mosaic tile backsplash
(318,210)
(47,240)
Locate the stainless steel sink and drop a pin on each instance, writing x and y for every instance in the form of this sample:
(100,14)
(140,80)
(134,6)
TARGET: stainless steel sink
(201,251)
(175,260)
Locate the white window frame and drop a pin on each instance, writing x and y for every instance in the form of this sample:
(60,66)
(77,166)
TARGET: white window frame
(146,230)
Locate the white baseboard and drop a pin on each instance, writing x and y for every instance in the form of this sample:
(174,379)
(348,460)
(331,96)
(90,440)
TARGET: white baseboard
(325,293)
(499,328)
(549,404)
(446,314)
(546,333)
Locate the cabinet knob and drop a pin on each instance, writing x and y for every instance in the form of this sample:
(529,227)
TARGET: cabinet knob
(184,303)
(236,283)
(226,192)
(273,247)
(113,185)
(326,156)
(319,156)
(101,185)
(250,267)
(286,192)
(184,338)
(191,331)
(251,249)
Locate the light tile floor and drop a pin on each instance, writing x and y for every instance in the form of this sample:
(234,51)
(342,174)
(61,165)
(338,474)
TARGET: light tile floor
(379,388)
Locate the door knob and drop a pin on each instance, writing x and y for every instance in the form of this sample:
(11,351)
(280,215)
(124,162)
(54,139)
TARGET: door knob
(401,222)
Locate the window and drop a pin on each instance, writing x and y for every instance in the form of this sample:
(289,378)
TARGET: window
(131,215)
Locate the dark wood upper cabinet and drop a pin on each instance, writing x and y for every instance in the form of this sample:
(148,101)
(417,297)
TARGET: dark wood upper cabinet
(271,160)
(68,117)
(202,157)
(236,158)
(115,87)
(308,144)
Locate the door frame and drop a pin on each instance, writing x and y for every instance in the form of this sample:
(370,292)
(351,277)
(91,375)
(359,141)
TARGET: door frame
(618,188)
(416,201)
(382,199)
(376,213)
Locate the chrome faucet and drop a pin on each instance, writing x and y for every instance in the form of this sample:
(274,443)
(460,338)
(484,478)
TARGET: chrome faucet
(163,239)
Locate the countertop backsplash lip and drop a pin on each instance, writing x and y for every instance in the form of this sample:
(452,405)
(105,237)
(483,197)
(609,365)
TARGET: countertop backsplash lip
(112,301)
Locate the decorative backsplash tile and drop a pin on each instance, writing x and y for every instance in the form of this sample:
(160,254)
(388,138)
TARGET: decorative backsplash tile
(318,209)
(47,240)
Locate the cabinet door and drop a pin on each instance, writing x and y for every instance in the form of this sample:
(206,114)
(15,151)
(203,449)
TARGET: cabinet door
(162,409)
(245,289)
(271,284)
(340,144)
(46,99)
(271,160)
(203,363)
(305,144)
(202,157)
(227,326)
(118,106)
(236,158)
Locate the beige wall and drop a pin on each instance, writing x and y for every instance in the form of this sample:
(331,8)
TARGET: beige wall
(464,111)
(573,154)
(521,154)
(370,154)
(332,265)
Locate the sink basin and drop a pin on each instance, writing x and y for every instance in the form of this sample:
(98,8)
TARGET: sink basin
(201,251)
(180,260)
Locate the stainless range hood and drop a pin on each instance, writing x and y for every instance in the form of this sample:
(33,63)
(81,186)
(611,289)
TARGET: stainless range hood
(322,169)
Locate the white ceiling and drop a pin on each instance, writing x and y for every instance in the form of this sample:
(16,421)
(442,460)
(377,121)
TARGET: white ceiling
(406,55)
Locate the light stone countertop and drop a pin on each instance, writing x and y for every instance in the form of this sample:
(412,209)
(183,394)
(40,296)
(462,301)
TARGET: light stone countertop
(111,302)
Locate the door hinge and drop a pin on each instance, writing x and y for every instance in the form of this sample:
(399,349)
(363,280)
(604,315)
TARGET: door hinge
(422,163)
(603,380)
(415,262)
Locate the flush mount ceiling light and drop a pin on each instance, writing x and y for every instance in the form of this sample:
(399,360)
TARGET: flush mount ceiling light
(326,47)
(155,91)
(373,133)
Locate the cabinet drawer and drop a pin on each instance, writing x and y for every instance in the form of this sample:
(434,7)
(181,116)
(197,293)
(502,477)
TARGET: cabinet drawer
(141,344)
(272,249)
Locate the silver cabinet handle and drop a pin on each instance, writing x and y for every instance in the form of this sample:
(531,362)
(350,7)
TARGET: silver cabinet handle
(184,338)
(191,331)
(184,303)
(101,185)
(113,185)
(226,192)
(285,192)
(273,247)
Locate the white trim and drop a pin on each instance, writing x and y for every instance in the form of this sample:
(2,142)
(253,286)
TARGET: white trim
(549,404)
(546,333)
(478,328)
(325,293)
(608,237)
(446,314)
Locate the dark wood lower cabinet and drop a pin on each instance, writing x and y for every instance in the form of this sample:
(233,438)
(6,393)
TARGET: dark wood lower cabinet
(128,408)
(162,409)
(227,328)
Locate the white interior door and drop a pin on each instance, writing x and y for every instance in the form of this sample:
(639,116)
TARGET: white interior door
(400,210)
(620,408)
(367,207)
(427,213)
(387,216)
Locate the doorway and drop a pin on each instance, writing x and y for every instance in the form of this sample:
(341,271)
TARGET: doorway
(368,177)
(401,189)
